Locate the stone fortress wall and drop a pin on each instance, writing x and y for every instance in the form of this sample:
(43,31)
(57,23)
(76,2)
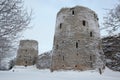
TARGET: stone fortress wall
(27,52)
(77,43)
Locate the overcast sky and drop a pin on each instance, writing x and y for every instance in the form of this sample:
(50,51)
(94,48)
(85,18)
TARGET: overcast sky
(44,17)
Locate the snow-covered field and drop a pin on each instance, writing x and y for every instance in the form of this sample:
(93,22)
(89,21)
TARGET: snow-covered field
(31,73)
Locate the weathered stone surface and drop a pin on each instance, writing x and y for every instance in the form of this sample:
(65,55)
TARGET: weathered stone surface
(27,52)
(44,60)
(77,43)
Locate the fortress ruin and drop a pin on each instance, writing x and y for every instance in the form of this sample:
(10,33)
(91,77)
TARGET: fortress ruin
(27,52)
(77,43)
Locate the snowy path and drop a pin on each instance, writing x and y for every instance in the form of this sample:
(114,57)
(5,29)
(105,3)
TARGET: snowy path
(31,73)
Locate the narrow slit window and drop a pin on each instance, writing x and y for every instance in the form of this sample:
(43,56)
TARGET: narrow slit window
(73,12)
(63,58)
(59,55)
(91,64)
(77,54)
(91,34)
(60,25)
(90,58)
(76,44)
(84,22)
(25,50)
(26,63)
(56,46)
(94,15)
(97,18)
(75,65)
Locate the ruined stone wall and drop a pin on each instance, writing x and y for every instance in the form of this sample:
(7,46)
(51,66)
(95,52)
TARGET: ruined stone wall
(44,60)
(27,52)
(77,40)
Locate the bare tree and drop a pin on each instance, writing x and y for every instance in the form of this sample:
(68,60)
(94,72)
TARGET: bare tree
(112,19)
(13,20)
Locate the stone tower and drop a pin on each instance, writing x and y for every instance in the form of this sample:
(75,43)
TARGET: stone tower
(77,43)
(27,52)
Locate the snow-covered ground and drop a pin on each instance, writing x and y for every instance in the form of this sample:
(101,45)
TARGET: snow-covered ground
(31,73)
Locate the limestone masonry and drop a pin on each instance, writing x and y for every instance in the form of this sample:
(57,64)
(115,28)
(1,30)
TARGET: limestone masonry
(77,43)
(27,52)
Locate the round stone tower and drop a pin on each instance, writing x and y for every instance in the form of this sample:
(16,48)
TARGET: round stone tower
(77,43)
(27,52)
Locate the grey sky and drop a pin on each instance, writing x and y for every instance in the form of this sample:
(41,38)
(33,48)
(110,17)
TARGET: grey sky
(44,17)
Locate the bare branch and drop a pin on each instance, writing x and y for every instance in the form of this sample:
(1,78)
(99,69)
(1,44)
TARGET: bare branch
(112,19)
(13,20)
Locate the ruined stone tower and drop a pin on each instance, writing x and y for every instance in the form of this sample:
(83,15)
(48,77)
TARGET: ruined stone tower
(77,43)
(27,52)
